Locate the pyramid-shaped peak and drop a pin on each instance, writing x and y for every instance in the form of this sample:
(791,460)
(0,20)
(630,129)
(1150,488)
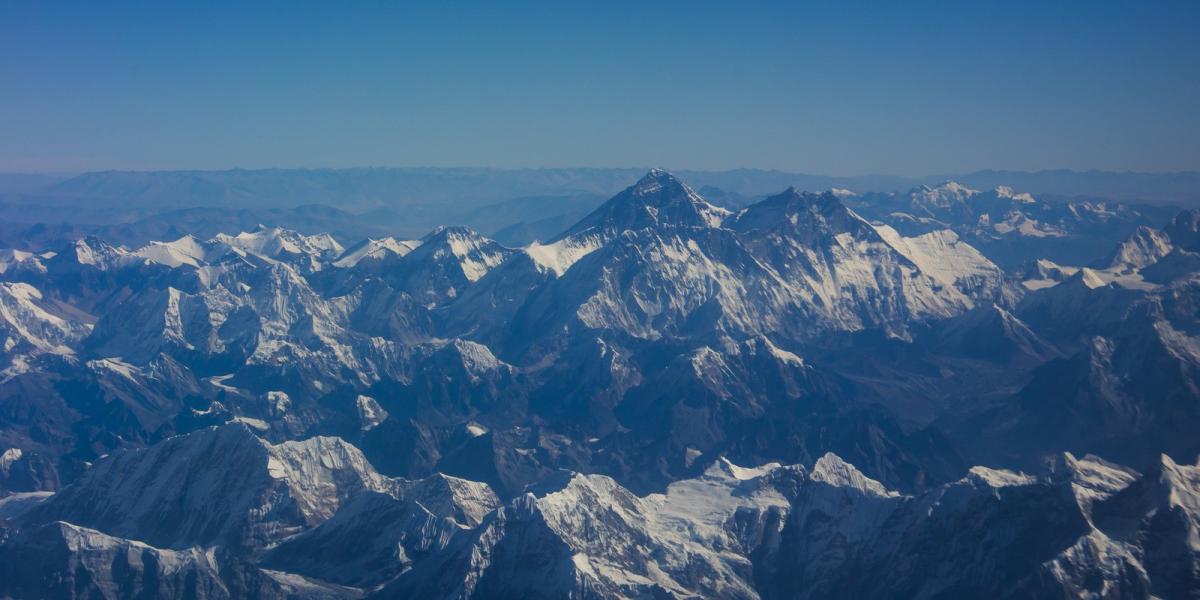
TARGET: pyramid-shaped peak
(657,174)
(655,180)
(657,200)
(460,240)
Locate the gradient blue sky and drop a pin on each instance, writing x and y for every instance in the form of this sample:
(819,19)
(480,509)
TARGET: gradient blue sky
(906,88)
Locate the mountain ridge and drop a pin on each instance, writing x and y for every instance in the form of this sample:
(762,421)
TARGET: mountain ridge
(274,413)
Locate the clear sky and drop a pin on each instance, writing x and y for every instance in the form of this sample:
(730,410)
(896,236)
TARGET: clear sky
(844,88)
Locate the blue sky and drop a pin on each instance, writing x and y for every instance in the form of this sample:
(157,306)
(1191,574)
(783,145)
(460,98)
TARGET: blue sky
(906,88)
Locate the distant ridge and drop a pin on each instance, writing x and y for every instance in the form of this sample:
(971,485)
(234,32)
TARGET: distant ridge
(1180,188)
(364,188)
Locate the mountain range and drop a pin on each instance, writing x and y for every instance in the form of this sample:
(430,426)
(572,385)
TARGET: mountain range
(928,391)
(512,206)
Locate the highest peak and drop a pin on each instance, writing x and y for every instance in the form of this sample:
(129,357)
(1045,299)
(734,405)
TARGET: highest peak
(657,199)
(663,186)
(654,180)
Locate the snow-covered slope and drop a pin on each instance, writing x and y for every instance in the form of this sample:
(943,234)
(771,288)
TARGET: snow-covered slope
(61,560)
(853,274)
(948,259)
(446,262)
(32,326)
(823,532)
(1010,228)
(657,201)
(16,261)
(186,250)
(655,263)
(376,536)
(94,252)
(217,486)
(1141,249)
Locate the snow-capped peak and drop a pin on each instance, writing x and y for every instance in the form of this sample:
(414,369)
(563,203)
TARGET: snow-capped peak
(276,243)
(220,484)
(1180,483)
(97,253)
(945,195)
(951,187)
(186,250)
(560,255)
(375,249)
(832,470)
(12,259)
(28,323)
(806,216)
(1004,191)
(1142,248)
(654,180)
(656,200)
(997,478)
(723,469)
(473,253)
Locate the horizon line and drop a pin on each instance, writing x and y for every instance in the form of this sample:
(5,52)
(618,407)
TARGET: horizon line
(70,173)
